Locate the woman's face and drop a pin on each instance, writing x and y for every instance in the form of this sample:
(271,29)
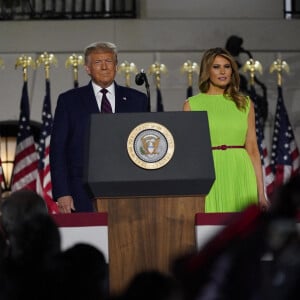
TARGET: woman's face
(220,72)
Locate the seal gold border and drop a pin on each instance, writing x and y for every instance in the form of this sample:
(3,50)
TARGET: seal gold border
(162,130)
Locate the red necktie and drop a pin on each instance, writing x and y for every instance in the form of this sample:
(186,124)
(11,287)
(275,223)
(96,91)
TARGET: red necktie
(105,104)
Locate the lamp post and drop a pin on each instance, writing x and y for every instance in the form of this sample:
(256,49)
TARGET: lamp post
(8,148)
(8,130)
(8,133)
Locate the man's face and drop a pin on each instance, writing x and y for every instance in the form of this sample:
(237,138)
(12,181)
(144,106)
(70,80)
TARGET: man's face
(102,68)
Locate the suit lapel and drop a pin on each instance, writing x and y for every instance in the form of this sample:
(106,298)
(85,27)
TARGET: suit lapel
(90,99)
(120,98)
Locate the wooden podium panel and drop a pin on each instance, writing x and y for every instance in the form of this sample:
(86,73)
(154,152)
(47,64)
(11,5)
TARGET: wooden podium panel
(147,233)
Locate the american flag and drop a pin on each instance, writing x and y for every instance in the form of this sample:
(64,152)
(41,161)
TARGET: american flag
(159,102)
(268,175)
(44,187)
(285,153)
(25,173)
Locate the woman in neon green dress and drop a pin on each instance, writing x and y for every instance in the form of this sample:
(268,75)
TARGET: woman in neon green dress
(239,181)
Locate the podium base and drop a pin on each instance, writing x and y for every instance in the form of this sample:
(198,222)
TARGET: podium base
(148,233)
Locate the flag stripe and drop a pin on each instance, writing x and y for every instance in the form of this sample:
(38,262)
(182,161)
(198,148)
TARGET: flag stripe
(268,175)
(25,171)
(25,181)
(26,158)
(45,183)
(285,153)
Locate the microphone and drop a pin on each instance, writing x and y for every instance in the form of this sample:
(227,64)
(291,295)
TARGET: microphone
(140,78)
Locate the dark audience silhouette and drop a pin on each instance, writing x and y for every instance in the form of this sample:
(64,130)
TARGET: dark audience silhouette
(82,273)
(149,285)
(255,257)
(33,266)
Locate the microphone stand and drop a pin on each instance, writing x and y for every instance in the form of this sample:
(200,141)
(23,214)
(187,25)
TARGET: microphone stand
(148,93)
(141,78)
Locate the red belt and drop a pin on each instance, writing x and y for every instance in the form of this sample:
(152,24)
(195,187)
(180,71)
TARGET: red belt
(225,147)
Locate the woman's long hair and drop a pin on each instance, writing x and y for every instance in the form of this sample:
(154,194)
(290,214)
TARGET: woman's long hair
(232,90)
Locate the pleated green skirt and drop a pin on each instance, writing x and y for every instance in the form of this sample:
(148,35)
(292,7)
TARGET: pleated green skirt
(235,186)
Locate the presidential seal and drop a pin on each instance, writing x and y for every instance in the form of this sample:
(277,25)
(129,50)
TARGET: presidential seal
(150,145)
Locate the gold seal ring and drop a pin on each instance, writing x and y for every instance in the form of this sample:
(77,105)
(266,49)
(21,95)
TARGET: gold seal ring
(150,145)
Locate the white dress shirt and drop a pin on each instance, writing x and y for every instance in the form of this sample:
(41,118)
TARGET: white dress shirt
(110,95)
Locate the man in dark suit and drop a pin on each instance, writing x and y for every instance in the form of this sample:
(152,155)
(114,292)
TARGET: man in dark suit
(71,118)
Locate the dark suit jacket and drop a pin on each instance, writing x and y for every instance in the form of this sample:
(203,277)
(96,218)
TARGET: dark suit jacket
(70,125)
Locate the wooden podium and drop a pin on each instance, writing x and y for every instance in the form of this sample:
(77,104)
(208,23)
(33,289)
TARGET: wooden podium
(151,212)
(147,233)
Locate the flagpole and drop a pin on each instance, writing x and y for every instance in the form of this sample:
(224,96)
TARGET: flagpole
(127,68)
(25,62)
(25,172)
(44,185)
(156,70)
(190,68)
(1,63)
(252,66)
(47,59)
(1,169)
(285,152)
(75,61)
(279,65)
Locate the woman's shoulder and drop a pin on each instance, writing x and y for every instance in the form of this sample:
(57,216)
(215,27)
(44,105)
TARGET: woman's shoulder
(196,97)
(198,101)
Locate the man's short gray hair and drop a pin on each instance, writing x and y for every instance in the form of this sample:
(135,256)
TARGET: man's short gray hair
(100,47)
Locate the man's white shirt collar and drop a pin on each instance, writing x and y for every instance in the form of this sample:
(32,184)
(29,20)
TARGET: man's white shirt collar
(110,95)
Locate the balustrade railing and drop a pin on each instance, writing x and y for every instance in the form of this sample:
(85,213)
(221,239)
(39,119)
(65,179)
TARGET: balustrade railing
(66,9)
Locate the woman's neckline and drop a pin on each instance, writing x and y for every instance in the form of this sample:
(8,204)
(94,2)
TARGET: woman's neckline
(213,94)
